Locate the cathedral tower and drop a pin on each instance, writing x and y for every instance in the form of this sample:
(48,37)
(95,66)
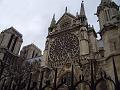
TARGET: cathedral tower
(107,13)
(30,51)
(109,19)
(11,40)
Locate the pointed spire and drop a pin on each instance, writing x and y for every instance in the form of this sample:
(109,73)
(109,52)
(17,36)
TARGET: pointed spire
(82,10)
(77,14)
(53,22)
(82,16)
(66,9)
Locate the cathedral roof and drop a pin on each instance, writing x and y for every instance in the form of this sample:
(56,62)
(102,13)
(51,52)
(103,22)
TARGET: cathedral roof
(31,45)
(12,30)
(66,14)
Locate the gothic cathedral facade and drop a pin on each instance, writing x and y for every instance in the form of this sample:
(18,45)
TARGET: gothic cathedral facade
(72,46)
(72,42)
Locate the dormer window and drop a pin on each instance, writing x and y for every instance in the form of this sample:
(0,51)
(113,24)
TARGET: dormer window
(10,41)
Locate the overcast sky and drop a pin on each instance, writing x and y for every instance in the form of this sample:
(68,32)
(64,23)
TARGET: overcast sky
(32,17)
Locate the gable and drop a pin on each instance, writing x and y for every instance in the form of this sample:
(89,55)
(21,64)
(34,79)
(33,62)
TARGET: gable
(12,30)
(65,21)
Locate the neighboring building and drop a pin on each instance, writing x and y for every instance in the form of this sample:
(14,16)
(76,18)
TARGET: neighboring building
(10,44)
(14,65)
(30,51)
(10,40)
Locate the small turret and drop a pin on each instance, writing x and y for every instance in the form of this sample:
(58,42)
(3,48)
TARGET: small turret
(53,24)
(83,18)
(82,10)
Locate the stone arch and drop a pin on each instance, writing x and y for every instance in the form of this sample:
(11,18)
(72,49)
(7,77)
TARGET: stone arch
(105,84)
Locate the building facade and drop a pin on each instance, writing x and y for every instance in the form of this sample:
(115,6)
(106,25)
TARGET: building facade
(72,46)
(71,41)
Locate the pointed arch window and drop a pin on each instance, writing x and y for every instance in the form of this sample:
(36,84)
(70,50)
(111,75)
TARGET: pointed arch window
(82,19)
(107,15)
(36,55)
(10,41)
(33,54)
(15,41)
(67,78)
(114,45)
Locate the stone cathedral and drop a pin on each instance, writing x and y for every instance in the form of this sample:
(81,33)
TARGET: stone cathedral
(72,43)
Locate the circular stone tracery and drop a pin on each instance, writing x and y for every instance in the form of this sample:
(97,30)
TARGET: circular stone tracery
(65,46)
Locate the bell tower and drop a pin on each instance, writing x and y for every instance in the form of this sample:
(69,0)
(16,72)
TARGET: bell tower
(107,13)
(10,41)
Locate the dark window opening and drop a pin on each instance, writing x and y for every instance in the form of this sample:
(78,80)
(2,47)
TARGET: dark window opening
(82,19)
(10,41)
(119,38)
(33,54)
(106,16)
(114,44)
(36,54)
(67,79)
(14,44)
(102,54)
(109,14)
